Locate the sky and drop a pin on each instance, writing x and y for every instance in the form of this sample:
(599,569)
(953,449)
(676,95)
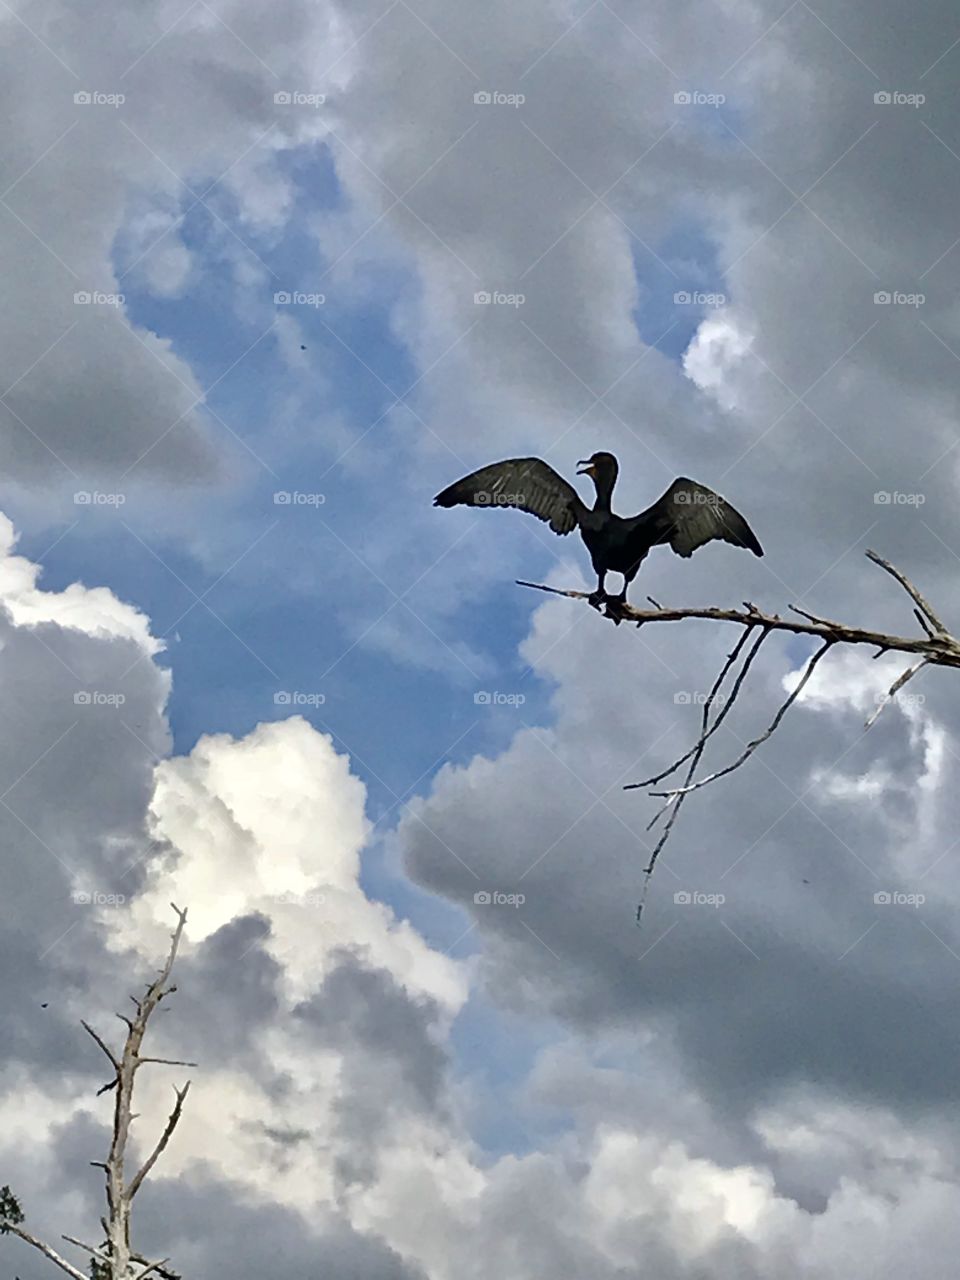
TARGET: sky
(276,275)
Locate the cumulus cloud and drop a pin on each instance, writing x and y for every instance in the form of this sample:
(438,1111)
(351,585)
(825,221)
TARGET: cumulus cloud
(797,1038)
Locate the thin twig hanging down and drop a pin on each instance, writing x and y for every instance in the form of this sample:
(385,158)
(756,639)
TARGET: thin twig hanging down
(936,647)
(114,1259)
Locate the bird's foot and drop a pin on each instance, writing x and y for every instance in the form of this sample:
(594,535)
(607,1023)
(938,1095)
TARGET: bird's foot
(615,606)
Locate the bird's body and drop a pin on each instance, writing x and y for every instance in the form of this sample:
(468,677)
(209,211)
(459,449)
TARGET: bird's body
(686,516)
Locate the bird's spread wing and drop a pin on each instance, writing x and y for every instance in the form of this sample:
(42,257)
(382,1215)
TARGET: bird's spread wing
(689,514)
(528,484)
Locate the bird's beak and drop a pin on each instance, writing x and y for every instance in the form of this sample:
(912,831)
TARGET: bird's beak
(585,468)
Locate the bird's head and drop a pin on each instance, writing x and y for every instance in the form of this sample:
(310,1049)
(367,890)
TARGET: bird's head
(600,466)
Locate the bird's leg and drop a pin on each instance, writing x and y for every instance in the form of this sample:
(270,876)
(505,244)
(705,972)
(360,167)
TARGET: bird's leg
(615,604)
(596,598)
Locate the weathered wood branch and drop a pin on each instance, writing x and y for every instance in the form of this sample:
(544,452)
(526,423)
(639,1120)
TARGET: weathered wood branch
(115,1258)
(936,647)
(47,1251)
(162,1141)
(941,648)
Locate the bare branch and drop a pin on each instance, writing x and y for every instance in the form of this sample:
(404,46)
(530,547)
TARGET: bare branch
(698,746)
(163,1140)
(911,591)
(159,1267)
(937,645)
(169,1062)
(106,1049)
(895,688)
(96,1253)
(752,746)
(696,752)
(46,1250)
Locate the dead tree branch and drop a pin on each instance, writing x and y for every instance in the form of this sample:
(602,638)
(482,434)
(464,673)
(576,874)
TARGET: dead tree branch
(115,1259)
(48,1252)
(937,647)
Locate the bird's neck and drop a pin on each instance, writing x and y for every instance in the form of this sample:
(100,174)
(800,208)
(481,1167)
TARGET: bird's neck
(604,486)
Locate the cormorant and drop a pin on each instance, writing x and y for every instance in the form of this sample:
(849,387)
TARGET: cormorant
(686,516)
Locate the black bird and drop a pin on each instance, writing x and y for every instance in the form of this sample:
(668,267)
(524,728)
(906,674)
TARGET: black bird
(686,516)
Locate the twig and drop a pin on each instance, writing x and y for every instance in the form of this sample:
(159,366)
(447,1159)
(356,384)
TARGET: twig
(911,591)
(109,1052)
(696,751)
(728,703)
(162,1142)
(46,1250)
(752,746)
(937,645)
(894,689)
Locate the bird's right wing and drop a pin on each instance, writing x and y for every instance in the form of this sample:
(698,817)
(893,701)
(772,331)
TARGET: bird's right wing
(528,484)
(689,515)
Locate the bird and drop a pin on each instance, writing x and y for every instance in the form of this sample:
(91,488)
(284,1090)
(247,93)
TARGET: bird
(686,516)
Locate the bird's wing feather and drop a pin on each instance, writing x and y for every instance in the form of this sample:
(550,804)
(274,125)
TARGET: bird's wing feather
(529,484)
(689,515)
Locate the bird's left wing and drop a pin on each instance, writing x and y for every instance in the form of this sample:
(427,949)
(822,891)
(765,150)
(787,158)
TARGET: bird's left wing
(690,514)
(529,484)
